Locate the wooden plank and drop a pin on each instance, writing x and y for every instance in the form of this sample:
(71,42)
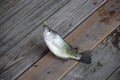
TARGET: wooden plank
(31,48)
(12,32)
(11,7)
(105,64)
(6,5)
(26,8)
(86,36)
(54,5)
(22,14)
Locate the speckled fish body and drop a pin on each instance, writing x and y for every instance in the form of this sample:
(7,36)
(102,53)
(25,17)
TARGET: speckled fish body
(61,49)
(58,46)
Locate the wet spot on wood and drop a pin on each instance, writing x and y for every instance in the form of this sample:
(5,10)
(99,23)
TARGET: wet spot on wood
(48,72)
(116,38)
(70,24)
(87,35)
(105,20)
(103,13)
(95,3)
(94,70)
(99,64)
(117,1)
(112,5)
(35,65)
(112,13)
(117,19)
(107,13)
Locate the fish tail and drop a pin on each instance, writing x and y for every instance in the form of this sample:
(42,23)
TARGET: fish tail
(86,57)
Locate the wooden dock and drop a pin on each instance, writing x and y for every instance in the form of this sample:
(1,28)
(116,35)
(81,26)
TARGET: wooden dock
(85,24)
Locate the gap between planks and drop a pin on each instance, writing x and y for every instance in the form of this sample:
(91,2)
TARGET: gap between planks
(115,75)
(43,64)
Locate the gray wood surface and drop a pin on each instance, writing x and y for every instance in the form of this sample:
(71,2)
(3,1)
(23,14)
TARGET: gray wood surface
(106,62)
(9,8)
(21,24)
(85,37)
(14,34)
(16,58)
(115,75)
(6,5)
(106,57)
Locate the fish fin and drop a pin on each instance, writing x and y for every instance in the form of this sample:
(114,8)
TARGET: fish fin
(86,57)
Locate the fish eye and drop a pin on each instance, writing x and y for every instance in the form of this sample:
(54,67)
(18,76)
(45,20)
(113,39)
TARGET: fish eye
(49,30)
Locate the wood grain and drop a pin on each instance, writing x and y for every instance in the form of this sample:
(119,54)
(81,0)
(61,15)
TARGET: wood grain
(26,20)
(105,65)
(10,7)
(15,29)
(86,36)
(5,62)
(6,5)
(22,55)
(115,75)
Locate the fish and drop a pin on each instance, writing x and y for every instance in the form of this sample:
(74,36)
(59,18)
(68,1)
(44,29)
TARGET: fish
(60,48)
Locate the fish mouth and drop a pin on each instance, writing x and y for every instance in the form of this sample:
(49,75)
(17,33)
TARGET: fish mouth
(46,27)
(44,23)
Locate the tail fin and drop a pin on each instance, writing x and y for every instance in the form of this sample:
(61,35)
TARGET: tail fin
(86,57)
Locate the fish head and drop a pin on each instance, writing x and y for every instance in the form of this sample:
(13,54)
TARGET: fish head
(48,33)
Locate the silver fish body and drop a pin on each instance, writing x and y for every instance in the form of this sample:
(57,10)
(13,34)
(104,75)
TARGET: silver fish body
(58,46)
(61,49)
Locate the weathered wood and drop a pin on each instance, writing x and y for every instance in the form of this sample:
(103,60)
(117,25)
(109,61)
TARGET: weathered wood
(115,75)
(23,12)
(11,7)
(86,36)
(15,29)
(5,62)
(105,64)
(106,56)
(31,48)
(12,33)
(6,5)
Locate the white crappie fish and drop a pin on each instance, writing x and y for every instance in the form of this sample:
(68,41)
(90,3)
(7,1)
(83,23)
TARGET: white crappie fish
(61,49)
